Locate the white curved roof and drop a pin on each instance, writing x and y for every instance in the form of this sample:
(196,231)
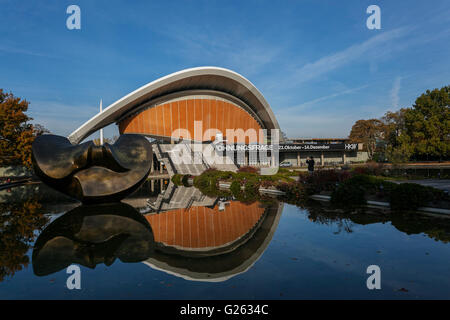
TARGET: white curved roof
(202,78)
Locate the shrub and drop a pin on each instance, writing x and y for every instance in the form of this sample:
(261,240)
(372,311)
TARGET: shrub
(323,180)
(352,192)
(176,179)
(207,181)
(245,176)
(294,193)
(250,192)
(248,169)
(368,183)
(268,183)
(348,195)
(251,186)
(291,189)
(210,170)
(185,180)
(410,196)
(287,172)
(235,188)
(370,168)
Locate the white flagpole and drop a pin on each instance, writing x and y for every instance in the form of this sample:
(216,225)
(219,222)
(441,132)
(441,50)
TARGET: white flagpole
(101,130)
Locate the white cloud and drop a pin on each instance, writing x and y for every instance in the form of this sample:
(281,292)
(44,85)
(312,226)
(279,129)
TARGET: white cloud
(315,101)
(370,47)
(12,50)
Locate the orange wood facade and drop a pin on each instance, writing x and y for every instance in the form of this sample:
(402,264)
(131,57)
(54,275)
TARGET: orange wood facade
(164,119)
(202,227)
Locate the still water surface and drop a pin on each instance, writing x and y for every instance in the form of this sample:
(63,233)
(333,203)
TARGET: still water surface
(181,244)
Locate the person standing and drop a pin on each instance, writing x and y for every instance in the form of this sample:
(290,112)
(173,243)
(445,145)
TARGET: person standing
(310,163)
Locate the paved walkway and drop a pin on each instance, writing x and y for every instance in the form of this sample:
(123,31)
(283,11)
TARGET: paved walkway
(443,184)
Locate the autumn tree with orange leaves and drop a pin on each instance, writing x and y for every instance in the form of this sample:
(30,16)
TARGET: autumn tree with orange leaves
(16,132)
(367,132)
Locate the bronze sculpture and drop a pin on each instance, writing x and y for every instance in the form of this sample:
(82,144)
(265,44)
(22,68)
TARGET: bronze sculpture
(91,173)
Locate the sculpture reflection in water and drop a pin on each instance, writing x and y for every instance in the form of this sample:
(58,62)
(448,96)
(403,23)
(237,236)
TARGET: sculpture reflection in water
(227,242)
(93,234)
(90,173)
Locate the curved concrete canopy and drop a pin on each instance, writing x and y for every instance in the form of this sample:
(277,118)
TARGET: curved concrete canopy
(200,78)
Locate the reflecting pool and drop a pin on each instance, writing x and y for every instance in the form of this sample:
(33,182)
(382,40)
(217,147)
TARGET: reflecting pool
(168,242)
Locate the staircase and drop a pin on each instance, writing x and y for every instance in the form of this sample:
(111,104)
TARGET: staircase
(182,159)
(180,197)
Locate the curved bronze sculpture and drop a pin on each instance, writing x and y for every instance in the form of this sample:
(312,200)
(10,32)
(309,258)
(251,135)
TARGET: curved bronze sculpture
(93,234)
(93,173)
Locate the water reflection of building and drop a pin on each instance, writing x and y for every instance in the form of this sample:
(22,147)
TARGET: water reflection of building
(186,219)
(174,197)
(186,234)
(201,228)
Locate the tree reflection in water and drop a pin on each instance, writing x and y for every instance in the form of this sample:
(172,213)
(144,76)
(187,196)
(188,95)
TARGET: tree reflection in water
(436,227)
(19,219)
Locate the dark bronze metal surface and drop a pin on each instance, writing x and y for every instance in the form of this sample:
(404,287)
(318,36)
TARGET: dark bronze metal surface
(92,234)
(91,173)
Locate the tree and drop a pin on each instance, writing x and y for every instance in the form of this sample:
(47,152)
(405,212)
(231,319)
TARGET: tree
(398,147)
(16,133)
(367,132)
(427,123)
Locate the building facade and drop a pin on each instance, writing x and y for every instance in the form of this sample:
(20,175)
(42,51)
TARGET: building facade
(209,99)
(202,104)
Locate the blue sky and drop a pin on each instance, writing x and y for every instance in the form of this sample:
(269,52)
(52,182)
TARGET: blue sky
(316,62)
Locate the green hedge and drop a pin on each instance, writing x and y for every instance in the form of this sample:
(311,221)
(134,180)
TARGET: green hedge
(235,188)
(410,196)
(402,197)
(349,195)
(176,179)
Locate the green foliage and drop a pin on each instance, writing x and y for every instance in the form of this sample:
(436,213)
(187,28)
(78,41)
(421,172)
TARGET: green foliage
(349,189)
(427,123)
(286,172)
(322,180)
(397,146)
(404,196)
(399,154)
(251,186)
(251,192)
(367,182)
(207,182)
(185,180)
(422,130)
(352,192)
(370,168)
(235,188)
(294,192)
(410,196)
(349,194)
(176,179)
